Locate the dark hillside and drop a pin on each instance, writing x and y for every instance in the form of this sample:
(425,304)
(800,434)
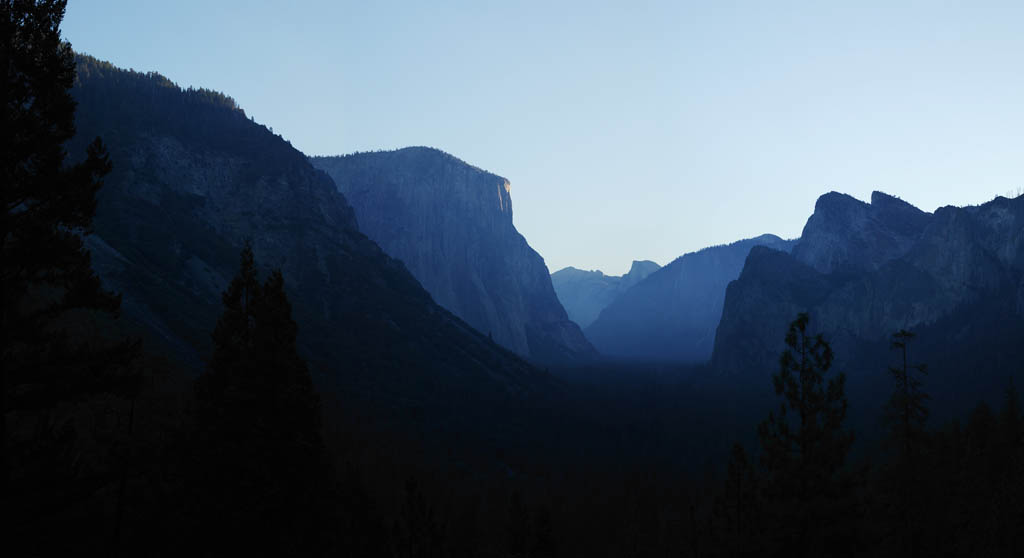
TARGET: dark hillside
(194,178)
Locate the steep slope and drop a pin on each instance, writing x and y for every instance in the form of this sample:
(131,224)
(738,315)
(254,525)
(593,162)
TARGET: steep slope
(784,287)
(584,294)
(194,177)
(846,235)
(672,314)
(863,272)
(451,224)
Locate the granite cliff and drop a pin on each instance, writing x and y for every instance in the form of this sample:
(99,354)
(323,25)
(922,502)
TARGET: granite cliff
(194,178)
(863,271)
(846,235)
(672,314)
(584,294)
(451,225)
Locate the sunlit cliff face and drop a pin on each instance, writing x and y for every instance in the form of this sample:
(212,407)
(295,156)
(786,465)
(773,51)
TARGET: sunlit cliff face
(505,198)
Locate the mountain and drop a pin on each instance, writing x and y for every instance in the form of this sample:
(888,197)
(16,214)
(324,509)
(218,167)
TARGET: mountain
(672,314)
(846,235)
(451,224)
(584,294)
(863,271)
(193,178)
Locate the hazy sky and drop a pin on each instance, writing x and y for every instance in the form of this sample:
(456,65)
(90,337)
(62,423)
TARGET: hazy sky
(628,130)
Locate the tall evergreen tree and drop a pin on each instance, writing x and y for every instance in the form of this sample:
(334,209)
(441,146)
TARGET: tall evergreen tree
(804,446)
(48,205)
(47,285)
(262,476)
(906,413)
(906,410)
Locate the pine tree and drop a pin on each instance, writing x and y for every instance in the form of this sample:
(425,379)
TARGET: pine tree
(48,204)
(47,285)
(256,362)
(906,414)
(263,477)
(804,445)
(906,410)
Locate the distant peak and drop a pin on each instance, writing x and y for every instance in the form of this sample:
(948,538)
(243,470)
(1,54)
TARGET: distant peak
(571,271)
(881,200)
(643,263)
(878,197)
(836,200)
(643,266)
(766,238)
(417,154)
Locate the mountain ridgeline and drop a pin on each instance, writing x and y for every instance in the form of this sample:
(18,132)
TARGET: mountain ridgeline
(584,294)
(863,271)
(671,315)
(194,178)
(355,382)
(451,225)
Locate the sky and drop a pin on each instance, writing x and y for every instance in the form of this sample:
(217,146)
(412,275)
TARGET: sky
(628,130)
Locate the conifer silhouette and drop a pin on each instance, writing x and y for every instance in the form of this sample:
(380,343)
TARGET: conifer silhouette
(804,445)
(906,414)
(49,292)
(262,472)
(48,206)
(906,410)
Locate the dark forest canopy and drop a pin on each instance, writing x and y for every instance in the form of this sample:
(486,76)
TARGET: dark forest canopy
(92,68)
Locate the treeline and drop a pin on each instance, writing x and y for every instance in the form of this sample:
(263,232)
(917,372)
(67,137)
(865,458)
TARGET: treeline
(126,101)
(108,449)
(954,491)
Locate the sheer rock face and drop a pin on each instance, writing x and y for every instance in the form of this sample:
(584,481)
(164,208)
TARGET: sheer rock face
(194,178)
(847,235)
(864,272)
(784,287)
(1020,298)
(672,314)
(584,294)
(451,224)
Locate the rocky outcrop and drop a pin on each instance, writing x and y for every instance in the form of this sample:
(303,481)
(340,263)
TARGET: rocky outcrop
(584,294)
(672,314)
(846,235)
(194,178)
(783,286)
(865,271)
(451,224)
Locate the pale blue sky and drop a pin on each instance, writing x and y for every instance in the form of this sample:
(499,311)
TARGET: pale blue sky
(629,130)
